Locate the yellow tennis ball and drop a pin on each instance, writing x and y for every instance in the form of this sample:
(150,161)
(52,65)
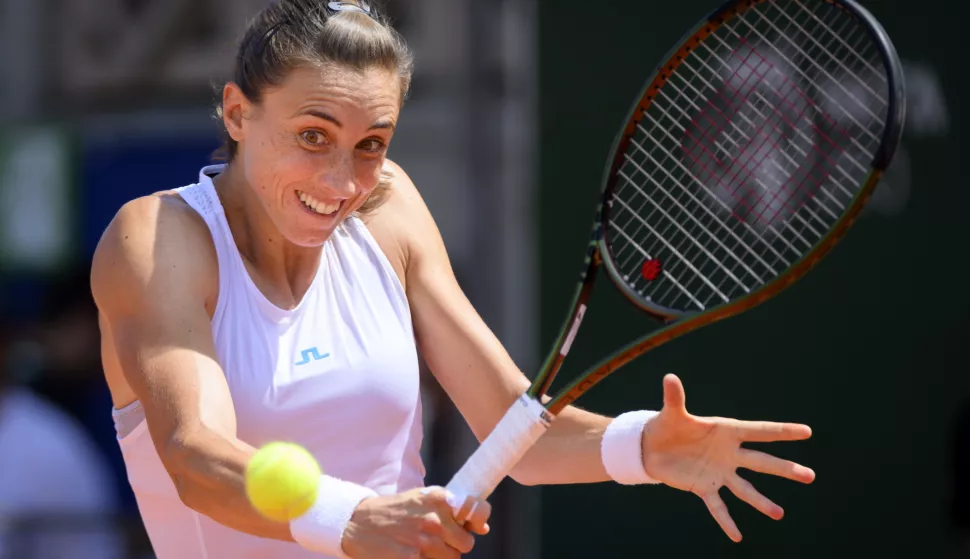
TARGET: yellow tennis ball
(282,481)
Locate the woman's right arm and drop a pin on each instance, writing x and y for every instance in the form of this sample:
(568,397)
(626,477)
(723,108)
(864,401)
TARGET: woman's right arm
(153,272)
(150,278)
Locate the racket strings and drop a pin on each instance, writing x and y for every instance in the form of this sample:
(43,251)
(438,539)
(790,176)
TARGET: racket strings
(761,108)
(715,238)
(746,246)
(704,223)
(759,113)
(749,154)
(742,132)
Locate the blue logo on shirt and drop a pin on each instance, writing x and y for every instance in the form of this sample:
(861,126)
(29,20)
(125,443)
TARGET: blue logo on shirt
(306,354)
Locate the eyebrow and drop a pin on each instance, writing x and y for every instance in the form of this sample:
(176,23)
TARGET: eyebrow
(379,125)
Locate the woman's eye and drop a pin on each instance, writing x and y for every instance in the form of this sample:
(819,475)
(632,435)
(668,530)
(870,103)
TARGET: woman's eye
(372,145)
(312,137)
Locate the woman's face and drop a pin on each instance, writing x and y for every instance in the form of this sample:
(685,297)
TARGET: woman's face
(313,149)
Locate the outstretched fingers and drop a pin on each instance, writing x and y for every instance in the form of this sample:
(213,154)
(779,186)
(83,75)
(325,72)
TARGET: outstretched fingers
(720,513)
(761,462)
(769,432)
(743,490)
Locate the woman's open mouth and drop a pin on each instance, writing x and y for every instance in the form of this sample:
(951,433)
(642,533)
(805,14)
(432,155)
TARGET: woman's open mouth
(317,206)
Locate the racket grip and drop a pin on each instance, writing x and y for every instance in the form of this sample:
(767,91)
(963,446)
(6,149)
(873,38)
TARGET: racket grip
(523,424)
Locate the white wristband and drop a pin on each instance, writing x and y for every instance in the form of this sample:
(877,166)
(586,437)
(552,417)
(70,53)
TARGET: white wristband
(321,528)
(622,448)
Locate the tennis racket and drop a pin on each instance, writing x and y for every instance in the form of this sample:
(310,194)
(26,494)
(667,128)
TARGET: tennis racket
(745,159)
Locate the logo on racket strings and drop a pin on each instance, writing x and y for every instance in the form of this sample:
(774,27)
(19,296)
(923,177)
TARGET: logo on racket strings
(651,269)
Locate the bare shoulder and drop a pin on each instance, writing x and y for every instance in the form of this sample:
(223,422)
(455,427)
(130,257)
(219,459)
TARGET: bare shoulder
(154,245)
(403,226)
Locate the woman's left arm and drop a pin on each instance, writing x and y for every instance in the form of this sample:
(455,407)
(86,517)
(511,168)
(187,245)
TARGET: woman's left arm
(468,360)
(695,454)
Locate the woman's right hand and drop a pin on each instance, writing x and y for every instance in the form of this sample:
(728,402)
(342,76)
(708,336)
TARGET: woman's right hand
(416,524)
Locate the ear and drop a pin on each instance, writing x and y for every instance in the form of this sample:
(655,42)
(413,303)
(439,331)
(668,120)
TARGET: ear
(235,109)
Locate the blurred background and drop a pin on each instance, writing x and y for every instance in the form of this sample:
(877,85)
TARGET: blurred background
(105,100)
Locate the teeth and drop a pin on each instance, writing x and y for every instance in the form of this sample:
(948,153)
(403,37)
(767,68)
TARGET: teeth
(317,205)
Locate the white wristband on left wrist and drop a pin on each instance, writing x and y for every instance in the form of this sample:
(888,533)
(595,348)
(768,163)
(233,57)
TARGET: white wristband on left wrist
(622,448)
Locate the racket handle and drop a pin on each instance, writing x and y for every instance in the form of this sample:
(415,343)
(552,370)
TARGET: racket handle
(518,430)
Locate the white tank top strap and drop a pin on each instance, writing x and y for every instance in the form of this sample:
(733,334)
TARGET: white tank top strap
(202,198)
(355,227)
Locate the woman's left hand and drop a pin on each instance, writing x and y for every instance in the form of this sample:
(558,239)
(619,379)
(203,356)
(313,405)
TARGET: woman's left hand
(702,454)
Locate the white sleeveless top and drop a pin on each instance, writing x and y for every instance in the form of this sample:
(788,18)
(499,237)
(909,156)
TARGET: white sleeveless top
(338,374)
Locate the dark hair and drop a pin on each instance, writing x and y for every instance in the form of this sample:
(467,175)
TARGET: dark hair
(291,33)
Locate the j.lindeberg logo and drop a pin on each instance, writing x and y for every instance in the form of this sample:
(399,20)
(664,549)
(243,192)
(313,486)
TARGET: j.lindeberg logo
(312,353)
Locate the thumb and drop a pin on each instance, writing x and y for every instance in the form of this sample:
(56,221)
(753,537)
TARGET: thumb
(674,396)
(474,515)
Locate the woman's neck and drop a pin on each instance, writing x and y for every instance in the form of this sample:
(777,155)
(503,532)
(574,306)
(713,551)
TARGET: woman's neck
(282,269)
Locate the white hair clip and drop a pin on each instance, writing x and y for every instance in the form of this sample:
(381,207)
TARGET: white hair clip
(348,7)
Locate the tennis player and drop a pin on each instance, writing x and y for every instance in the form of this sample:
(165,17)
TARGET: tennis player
(286,295)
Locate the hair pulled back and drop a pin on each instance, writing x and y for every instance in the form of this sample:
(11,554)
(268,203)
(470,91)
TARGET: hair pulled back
(292,33)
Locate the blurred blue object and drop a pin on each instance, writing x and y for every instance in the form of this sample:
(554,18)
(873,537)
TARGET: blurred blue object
(115,170)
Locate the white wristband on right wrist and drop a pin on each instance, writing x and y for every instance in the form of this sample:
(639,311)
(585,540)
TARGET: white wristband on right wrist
(622,448)
(321,529)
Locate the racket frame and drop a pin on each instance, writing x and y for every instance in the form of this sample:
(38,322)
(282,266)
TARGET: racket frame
(676,322)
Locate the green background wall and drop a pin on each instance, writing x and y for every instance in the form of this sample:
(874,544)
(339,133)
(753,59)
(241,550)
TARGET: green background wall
(869,349)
